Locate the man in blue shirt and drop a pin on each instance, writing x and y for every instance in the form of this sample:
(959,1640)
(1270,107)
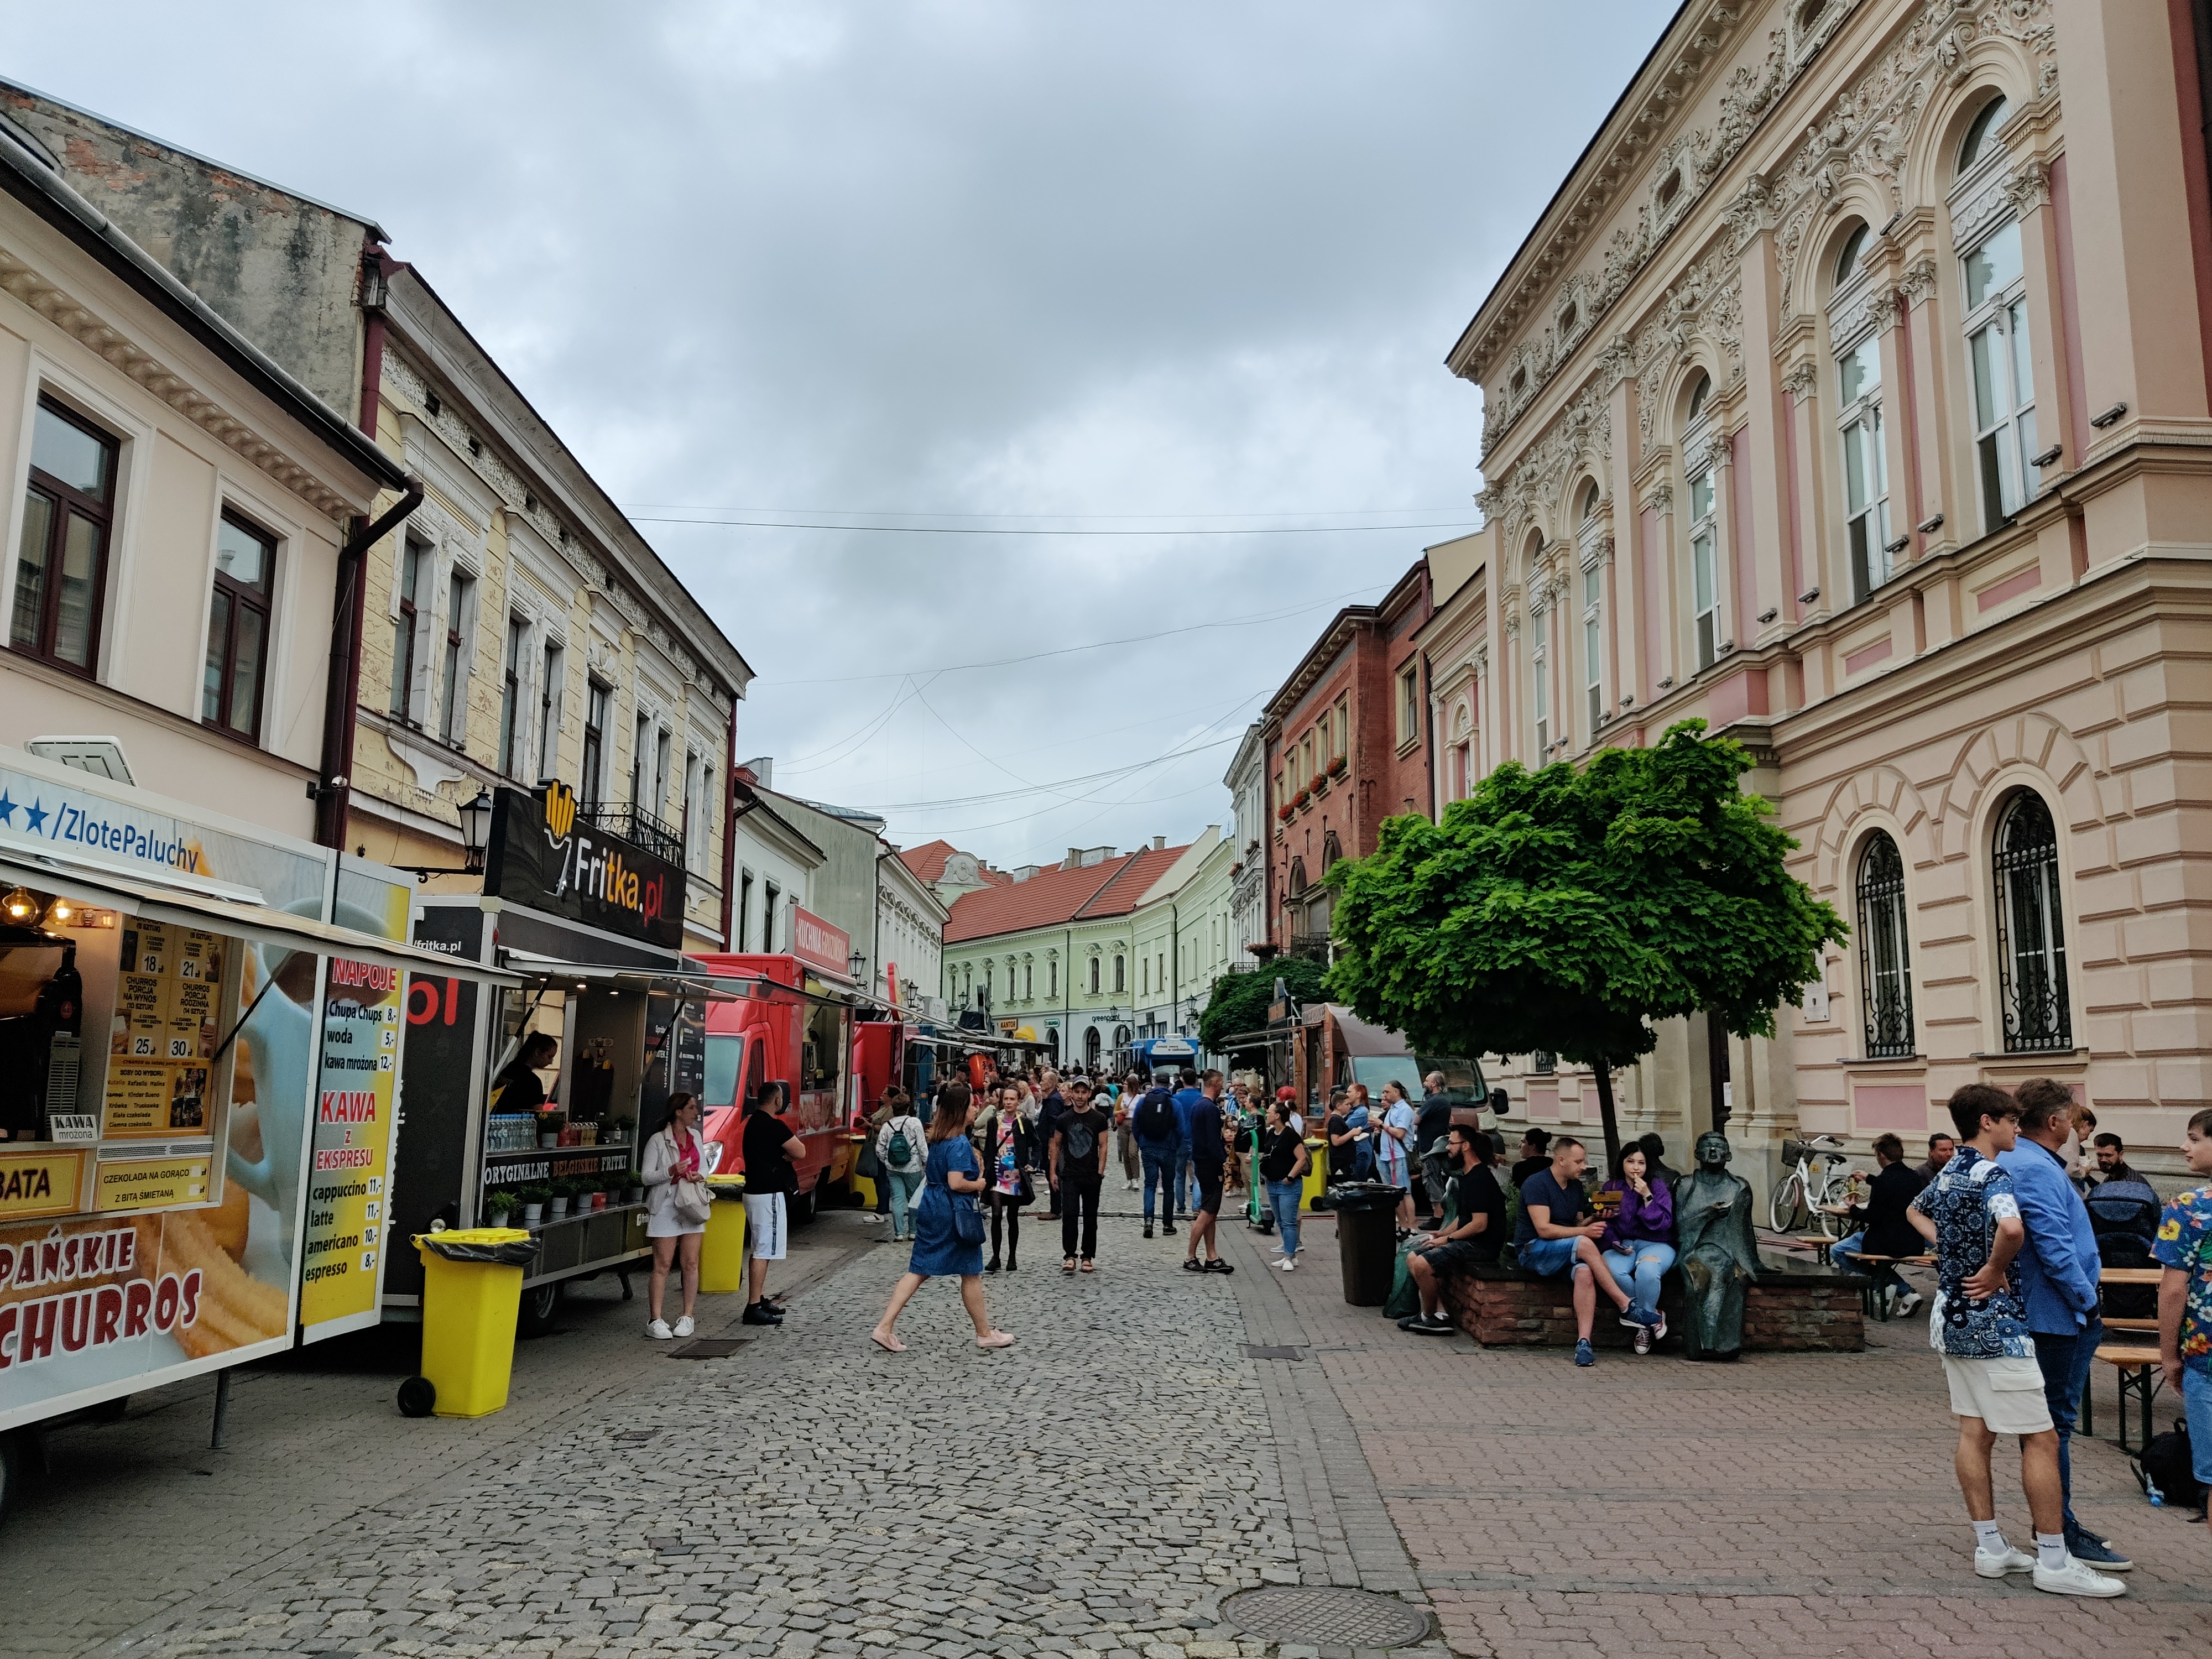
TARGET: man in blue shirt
(1558,1236)
(1971,1212)
(2058,1272)
(1188,1100)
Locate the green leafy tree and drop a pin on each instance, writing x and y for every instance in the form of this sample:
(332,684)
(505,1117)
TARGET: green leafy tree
(1568,908)
(1239,1003)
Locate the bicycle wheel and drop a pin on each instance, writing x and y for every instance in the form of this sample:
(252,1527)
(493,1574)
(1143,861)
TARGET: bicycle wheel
(1823,1213)
(1783,1202)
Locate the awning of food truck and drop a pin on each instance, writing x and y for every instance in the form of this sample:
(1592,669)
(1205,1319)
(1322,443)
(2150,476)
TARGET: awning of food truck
(606,977)
(219,908)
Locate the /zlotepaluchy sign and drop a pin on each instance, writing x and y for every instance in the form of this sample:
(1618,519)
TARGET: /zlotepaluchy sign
(547,855)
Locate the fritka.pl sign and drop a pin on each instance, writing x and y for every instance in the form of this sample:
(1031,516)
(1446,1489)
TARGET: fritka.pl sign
(818,944)
(546,854)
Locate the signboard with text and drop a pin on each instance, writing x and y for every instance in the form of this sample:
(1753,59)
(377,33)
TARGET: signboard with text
(546,854)
(353,1137)
(820,945)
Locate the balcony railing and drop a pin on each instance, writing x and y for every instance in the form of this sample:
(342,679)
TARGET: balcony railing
(1313,947)
(639,828)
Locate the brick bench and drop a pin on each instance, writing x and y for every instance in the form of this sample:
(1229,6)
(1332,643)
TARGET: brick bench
(1793,1308)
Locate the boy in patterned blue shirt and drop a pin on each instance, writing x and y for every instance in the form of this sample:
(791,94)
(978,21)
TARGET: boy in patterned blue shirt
(1970,1213)
(2184,1249)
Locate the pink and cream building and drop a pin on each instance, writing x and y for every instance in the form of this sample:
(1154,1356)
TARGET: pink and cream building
(1854,392)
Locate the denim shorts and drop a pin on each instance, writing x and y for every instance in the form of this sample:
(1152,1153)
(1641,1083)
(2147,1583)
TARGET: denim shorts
(1547,1257)
(2196,1401)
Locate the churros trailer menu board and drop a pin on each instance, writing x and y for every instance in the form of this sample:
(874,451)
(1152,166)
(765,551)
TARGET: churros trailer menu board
(169,999)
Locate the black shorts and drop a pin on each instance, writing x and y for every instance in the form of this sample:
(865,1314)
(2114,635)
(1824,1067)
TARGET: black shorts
(1456,1257)
(1209,1188)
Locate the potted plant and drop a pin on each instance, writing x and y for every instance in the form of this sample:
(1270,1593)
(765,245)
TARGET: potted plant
(599,1195)
(1336,767)
(557,1200)
(636,1193)
(549,1125)
(499,1204)
(532,1199)
(1285,811)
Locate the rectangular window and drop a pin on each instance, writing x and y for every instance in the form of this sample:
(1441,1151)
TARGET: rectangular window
(454,717)
(692,841)
(548,711)
(1704,574)
(1094,976)
(1409,704)
(769,895)
(641,740)
(1051,980)
(61,563)
(589,788)
(1325,749)
(510,698)
(1120,975)
(1593,646)
(744,909)
(2001,364)
(412,559)
(238,627)
(1343,728)
(1866,467)
(660,752)
(1539,701)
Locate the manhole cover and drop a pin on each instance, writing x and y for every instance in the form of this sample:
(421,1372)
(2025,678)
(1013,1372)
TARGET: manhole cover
(1272,1351)
(708,1348)
(1325,1614)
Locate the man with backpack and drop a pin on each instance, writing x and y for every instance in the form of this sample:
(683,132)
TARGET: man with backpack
(1188,1100)
(1154,1118)
(2184,1249)
(1076,1154)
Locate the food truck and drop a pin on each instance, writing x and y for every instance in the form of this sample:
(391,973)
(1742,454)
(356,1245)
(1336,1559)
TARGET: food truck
(201,1038)
(583,911)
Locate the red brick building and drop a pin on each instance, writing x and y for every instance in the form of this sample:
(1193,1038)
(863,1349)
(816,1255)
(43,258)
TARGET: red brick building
(1347,745)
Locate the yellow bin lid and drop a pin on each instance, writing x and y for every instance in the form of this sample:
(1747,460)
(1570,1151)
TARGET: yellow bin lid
(733,1181)
(478,1236)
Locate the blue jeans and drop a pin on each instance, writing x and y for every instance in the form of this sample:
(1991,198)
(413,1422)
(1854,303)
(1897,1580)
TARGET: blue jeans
(2197,1402)
(1638,1269)
(2065,1361)
(1186,1182)
(904,1189)
(1844,1254)
(1283,1197)
(1159,1164)
(1548,1258)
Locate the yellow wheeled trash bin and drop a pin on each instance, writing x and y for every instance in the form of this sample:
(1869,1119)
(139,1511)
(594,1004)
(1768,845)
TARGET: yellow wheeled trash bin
(472,1291)
(722,1251)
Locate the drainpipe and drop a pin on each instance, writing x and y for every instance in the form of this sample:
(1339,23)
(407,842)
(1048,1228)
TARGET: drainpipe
(731,813)
(333,790)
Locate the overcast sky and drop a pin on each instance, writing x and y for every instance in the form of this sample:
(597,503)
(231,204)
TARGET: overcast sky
(1059,263)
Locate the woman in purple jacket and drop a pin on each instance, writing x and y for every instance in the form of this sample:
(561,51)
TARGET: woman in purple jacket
(1638,1245)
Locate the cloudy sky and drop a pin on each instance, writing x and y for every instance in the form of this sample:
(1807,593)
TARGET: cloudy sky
(971,266)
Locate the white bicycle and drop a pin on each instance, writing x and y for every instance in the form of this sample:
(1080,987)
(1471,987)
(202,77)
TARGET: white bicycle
(1817,1186)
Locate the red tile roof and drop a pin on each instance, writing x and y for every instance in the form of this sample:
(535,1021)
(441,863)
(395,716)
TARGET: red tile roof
(1109,888)
(927,863)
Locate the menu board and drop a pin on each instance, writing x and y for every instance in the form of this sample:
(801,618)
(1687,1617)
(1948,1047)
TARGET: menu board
(162,1046)
(354,1128)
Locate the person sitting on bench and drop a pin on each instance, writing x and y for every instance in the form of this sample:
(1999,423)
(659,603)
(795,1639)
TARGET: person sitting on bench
(1473,1229)
(1886,1232)
(1558,1238)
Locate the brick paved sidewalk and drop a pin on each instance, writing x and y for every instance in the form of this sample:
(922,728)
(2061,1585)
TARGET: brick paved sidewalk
(1786,1505)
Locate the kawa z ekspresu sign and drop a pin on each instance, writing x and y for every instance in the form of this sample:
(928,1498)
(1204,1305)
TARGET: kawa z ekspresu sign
(546,855)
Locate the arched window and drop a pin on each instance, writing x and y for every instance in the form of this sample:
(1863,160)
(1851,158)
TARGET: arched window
(1297,876)
(1094,976)
(1591,496)
(2030,930)
(1992,117)
(1332,849)
(1090,1050)
(1121,972)
(1885,951)
(1698,395)
(1848,260)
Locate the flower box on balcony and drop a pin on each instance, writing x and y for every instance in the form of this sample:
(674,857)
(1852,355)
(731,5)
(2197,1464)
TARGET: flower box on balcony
(1336,767)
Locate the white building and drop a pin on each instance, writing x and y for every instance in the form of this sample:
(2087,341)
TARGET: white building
(909,945)
(1247,779)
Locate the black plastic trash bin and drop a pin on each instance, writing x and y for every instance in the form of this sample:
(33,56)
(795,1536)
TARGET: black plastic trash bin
(1366,1240)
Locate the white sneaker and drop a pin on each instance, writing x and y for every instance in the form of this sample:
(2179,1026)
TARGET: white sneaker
(683,1326)
(1288,1265)
(1996,1564)
(2077,1578)
(1906,1304)
(658,1331)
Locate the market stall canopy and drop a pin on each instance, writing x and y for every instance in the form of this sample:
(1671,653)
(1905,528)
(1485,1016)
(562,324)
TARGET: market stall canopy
(1363,1040)
(190,901)
(698,987)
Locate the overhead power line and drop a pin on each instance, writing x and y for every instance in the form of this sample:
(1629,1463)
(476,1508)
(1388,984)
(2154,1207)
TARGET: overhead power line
(906,513)
(957,530)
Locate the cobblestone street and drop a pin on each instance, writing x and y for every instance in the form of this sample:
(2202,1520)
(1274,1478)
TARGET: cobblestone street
(1098,1489)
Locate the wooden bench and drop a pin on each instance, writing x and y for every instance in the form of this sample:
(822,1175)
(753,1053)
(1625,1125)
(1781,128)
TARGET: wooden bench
(1793,1308)
(2138,1373)
(1871,1298)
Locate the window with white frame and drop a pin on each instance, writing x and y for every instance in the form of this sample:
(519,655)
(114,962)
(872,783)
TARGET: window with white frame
(1704,569)
(2000,364)
(1866,464)
(460,621)
(641,745)
(591,785)
(1094,976)
(662,751)
(1593,646)
(551,673)
(694,827)
(1539,670)
(513,730)
(407,625)
(1409,703)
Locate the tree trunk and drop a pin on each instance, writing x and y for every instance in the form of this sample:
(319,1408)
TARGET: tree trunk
(1603,1071)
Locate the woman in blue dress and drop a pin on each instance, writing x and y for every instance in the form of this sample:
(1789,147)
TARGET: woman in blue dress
(952,1179)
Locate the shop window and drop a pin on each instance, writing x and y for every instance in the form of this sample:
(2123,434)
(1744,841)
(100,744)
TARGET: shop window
(1885,950)
(595,742)
(1704,569)
(1866,466)
(510,697)
(1999,363)
(413,559)
(549,710)
(61,563)
(460,617)
(2030,931)
(238,627)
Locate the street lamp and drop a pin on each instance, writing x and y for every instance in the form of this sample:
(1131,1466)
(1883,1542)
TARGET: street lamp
(858,962)
(476,832)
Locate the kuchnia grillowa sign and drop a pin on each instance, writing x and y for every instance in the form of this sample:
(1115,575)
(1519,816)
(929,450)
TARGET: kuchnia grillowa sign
(548,856)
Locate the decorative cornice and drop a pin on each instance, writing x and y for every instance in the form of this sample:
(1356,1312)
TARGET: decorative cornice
(1918,282)
(1797,380)
(61,308)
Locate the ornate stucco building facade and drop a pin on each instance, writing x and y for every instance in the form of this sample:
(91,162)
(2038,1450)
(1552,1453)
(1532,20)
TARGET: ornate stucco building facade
(1854,393)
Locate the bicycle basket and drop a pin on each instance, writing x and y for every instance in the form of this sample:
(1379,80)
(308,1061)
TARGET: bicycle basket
(1796,1151)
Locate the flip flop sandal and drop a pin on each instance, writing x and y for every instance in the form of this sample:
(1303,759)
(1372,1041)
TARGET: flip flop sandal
(1068,1265)
(892,1347)
(1088,1268)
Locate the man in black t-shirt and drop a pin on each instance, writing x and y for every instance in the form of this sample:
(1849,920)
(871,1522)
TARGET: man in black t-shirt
(1475,1234)
(1535,1154)
(1432,1157)
(1051,1105)
(771,1152)
(1209,1161)
(1077,1155)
